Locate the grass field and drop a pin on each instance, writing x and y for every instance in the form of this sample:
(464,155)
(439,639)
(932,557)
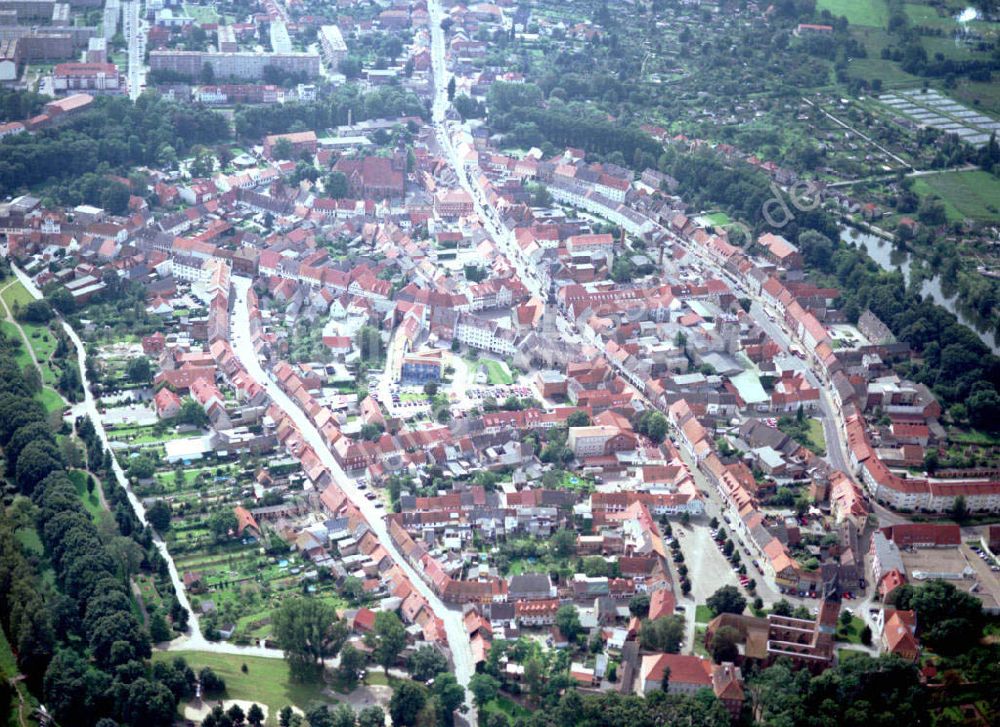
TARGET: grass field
(858,12)
(720,219)
(11,331)
(816,434)
(50,399)
(201,13)
(965,194)
(507,707)
(91,501)
(852,634)
(16,293)
(980,95)
(266,681)
(703,614)
(497,373)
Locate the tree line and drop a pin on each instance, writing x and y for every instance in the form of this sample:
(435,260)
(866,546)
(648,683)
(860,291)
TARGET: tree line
(76,638)
(349,101)
(113,135)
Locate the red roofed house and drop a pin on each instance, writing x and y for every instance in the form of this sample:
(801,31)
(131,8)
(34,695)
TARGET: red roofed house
(168,404)
(245,522)
(301,141)
(899,635)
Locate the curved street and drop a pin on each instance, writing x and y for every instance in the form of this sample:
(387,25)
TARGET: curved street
(458,640)
(194,639)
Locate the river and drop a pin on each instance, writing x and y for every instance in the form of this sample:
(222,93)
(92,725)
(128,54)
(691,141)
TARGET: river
(889,258)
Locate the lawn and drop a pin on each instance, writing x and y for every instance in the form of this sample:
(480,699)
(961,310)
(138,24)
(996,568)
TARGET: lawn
(852,634)
(965,194)
(50,399)
(497,372)
(16,293)
(202,14)
(266,681)
(505,706)
(980,95)
(571,481)
(858,12)
(91,501)
(703,614)
(816,435)
(719,219)
(698,647)
(12,332)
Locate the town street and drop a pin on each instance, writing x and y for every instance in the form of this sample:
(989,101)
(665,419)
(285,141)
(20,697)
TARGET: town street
(458,640)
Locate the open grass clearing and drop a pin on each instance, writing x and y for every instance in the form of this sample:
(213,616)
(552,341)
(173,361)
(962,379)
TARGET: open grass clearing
(816,435)
(266,681)
(202,13)
(50,399)
(498,373)
(964,194)
(91,500)
(15,294)
(506,706)
(10,330)
(852,634)
(858,12)
(703,614)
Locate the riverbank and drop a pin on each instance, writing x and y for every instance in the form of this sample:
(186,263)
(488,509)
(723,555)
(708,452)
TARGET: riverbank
(880,248)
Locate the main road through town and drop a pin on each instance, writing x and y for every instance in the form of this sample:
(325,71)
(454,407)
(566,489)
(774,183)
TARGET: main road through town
(458,638)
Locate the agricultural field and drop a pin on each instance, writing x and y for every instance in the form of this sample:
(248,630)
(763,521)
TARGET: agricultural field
(858,12)
(974,194)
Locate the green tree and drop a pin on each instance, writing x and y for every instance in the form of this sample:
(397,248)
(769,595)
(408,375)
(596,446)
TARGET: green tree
(726,599)
(255,715)
(426,663)
(484,689)
(407,701)
(638,605)
(308,631)
(724,646)
(563,543)
(283,149)
(371,717)
(568,622)
(449,695)
(662,634)
(387,639)
(336,185)
(211,683)
(158,515)
(352,661)
(139,371)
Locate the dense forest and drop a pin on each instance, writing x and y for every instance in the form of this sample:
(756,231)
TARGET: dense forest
(114,135)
